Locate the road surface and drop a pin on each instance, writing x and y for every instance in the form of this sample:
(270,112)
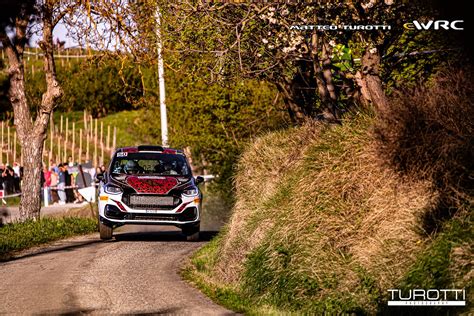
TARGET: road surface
(137,273)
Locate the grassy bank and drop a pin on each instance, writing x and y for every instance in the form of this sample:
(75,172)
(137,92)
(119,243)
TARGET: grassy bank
(322,225)
(19,236)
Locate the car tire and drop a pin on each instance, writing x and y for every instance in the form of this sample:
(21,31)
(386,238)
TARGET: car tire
(191,232)
(106,232)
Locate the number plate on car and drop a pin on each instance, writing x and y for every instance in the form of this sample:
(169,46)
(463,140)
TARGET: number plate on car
(152,200)
(152,211)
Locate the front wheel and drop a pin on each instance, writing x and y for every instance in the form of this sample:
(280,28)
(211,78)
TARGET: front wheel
(105,231)
(191,232)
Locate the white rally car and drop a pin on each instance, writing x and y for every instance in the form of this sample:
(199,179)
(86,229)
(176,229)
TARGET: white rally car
(149,185)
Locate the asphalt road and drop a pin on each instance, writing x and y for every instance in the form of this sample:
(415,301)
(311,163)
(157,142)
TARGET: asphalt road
(136,273)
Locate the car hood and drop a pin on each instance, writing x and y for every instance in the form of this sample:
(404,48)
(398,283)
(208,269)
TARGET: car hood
(154,184)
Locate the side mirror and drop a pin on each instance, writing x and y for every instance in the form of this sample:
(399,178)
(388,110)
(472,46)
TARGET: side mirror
(100,177)
(199,180)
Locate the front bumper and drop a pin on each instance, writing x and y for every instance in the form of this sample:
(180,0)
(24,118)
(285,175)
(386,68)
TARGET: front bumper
(114,212)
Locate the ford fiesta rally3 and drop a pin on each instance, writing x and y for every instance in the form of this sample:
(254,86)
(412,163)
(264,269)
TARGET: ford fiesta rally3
(149,185)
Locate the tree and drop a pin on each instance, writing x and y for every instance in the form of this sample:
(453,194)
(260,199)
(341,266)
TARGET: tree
(31,130)
(18,20)
(100,86)
(319,72)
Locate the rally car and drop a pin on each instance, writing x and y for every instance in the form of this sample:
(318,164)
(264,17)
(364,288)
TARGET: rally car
(149,185)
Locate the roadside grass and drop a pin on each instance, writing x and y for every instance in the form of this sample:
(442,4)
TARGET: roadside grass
(12,201)
(445,264)
(20,236)
(197,272)
(15,237)
(322,226)
(315,240)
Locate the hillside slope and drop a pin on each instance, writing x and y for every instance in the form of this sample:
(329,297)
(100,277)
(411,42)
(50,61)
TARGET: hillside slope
(322,225)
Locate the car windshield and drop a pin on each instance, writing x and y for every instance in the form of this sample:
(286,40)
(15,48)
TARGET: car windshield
(149,164)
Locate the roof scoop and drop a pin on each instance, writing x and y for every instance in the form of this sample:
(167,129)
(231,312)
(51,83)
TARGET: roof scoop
(150,148)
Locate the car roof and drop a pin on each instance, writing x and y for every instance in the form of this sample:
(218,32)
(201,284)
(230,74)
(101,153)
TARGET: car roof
(150,148)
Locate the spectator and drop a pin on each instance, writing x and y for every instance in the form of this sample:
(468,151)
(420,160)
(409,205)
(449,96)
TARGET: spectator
(89,169)
(8,180)
(16,176)
(21,175)
(43,180)
(47,181)
(54,167)
(69,191)
(70,162)
(61,184)
(2,179)
(54,182)
(16,169)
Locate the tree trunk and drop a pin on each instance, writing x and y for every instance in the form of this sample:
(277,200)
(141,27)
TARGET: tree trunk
(30,203)
(31,139)
(323,77)
(31,135)
(296,113)
(370,84)
(31,142)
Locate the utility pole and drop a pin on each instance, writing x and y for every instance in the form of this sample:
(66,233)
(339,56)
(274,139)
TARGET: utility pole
(161,81)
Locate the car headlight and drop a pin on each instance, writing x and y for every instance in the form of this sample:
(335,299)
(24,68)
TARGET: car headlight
(191,191)
(112,189)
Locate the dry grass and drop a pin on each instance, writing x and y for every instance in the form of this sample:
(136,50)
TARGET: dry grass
(328,218)
(260,171)
(318,202)
(462,257)
(386,239)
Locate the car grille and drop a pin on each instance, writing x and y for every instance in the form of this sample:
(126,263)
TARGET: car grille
(189,214)
(150,217)
(138,201)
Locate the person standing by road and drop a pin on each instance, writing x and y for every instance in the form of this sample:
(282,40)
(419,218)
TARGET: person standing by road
(53,166)
(47,181)
(8,180)
(54,183)
(16,176)
(70,162)
(61,184)
(68,177)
